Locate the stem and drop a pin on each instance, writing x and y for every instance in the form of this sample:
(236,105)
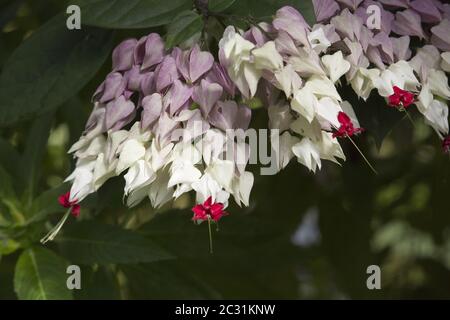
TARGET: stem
(410,118)
(362,154)
(52,233)
(210,236)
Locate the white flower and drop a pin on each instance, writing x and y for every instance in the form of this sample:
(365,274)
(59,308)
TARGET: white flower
(242,186)
(113,143)
(329,148)
(386,82)
(159,156)
(437,116)
(236,52)
(282,146)
(335,65)
(322,87)
(222,171)
(318,40)
(306,63)
(405,72)
(280,116)
(211,145)
(267,57)
(82,180)
(184,158)
(92,148)
(303,127)
(327,112)
(207,187)
(305,103)
(308,154)
(364,81)
(425,99)
(438,82)
(138,176)
(103,170)
(288,80)
(159,192)
(132,151)
(445,63)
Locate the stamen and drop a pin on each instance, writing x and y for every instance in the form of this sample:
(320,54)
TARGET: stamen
(210,235)
(53,232)
(362,154)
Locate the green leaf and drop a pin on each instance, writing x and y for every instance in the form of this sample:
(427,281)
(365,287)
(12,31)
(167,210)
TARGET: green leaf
(268,8)
(8,12)
(98,283)
(166,280)
(41,275)
(9,157)
(185,25)
(130,14)
(6,187)
(47,203)
(35,149)
(8,246)
(89,242)
(50,67)
(220,5)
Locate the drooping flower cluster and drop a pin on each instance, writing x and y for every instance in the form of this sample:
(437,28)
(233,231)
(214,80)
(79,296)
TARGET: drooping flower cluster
(160,118)
(381,56)
(295,69)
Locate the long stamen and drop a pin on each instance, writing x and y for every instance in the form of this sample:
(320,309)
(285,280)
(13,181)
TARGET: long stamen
(52,233)
(409,117)
(210,235)
(362,154)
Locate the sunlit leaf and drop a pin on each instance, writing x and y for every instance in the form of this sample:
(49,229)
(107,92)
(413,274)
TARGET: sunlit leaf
(41,275)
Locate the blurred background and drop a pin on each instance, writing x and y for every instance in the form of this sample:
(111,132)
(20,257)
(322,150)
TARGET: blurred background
(303,236)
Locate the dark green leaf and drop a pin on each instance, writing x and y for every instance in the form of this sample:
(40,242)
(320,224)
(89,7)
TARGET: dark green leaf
(98,283)
(35,148)
(220,5)
(268,8)
(41,275)
(9,157)
(185,25)
(92,242)
(8,11)
(166,280)
(46,204)
(49,68)
(120,14)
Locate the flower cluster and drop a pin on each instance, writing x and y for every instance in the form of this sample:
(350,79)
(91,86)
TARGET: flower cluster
(160,119)
(381,56)
(295,69)
(161,116)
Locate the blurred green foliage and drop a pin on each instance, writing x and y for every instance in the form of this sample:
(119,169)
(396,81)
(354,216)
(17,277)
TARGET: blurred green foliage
(303,236)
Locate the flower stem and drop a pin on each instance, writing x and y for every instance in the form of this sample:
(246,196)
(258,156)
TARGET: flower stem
(52,233)
(210,236)
(409,117)
(362,154)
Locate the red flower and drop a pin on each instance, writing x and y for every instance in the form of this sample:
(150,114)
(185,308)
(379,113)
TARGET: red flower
(208,210)
(446,144)
(401,98)
(347,129)
(66,203)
